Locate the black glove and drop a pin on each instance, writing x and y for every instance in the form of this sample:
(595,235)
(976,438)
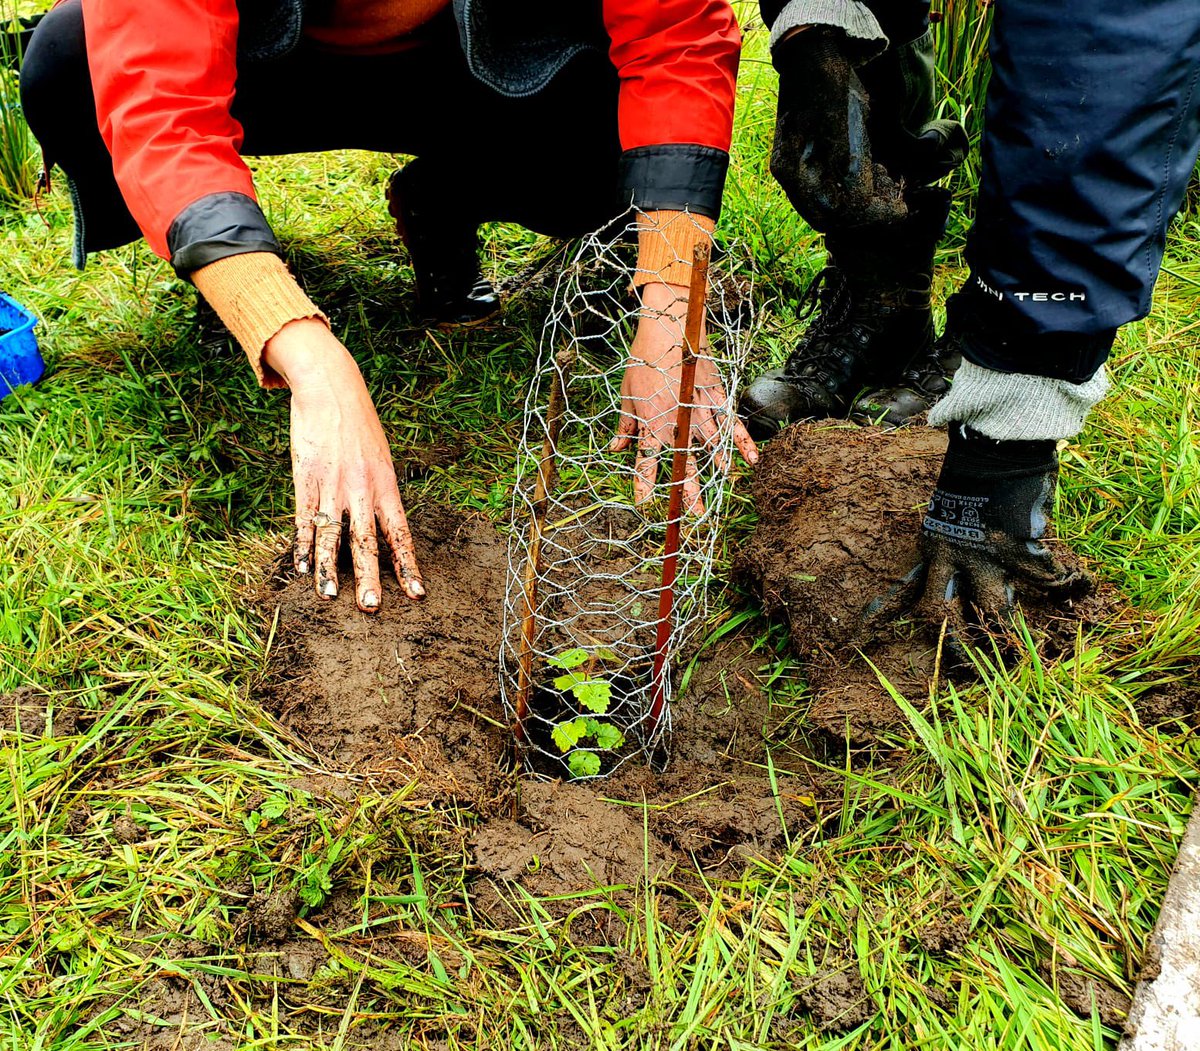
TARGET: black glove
(980,540)
(981,537)
(822,151)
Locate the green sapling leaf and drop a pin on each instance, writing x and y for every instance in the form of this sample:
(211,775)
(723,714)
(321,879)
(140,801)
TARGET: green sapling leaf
(584,764)
(571,681)
(606,735)
(570,659)
(593,694)
(567,735)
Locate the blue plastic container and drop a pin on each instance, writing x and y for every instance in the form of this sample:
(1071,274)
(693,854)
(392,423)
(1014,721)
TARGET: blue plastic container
(20,361)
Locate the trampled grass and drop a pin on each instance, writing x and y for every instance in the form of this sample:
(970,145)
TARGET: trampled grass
(143,485)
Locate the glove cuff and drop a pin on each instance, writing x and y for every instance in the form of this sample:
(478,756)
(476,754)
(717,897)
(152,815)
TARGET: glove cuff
(1015,406)
(973,453)
(864,38)
(988,486)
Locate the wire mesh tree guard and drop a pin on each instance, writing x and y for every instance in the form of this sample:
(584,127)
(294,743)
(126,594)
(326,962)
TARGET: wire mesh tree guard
(604,593)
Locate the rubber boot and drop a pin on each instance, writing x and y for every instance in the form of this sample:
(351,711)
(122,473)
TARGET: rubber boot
(873,320)
(451,289)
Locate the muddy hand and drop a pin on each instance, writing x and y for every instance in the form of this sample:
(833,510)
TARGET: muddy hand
(822,152)
(981,538)
(341,467)
(650,398)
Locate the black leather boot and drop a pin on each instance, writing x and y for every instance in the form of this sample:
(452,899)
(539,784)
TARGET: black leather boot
(873,320)
(924,383)
(451,289)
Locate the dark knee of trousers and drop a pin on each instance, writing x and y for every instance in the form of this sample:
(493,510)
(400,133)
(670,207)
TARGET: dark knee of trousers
(560,176)
(56,91)
(57,100)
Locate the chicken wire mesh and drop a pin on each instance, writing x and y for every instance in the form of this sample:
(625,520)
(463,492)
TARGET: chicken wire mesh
(582,619)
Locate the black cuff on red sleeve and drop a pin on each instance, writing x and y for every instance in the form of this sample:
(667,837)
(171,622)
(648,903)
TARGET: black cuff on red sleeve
(674,177)
(216,226)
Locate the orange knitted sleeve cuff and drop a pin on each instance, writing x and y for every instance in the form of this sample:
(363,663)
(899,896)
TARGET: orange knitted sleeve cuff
(665,244)
(255,295)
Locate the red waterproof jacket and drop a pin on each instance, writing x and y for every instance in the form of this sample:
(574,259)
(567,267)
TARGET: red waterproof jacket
(163,74)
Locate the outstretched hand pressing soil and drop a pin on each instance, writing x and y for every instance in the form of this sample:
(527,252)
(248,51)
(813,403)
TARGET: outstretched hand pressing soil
(839,512)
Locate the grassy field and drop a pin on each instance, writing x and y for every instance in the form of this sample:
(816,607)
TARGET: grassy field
(143,487)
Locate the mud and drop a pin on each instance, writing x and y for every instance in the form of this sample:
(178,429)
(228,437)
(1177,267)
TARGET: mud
(408,692)
(171,1018)
(170,1012)
(412,694)
(564,840)
(837,1000)
(1079,991)
(126,830)
(945,934)
(839,511)
(30,715)
(1178,702)
(271,917)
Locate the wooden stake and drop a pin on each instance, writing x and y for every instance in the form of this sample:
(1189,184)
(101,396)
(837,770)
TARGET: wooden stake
(693,331)
(564,361)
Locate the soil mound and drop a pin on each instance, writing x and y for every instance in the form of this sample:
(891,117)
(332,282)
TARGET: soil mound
(565,840)
(839,511)
(409,691)
(412,693)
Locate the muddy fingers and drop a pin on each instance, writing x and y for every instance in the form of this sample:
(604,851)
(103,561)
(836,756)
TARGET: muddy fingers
(329,537)
(898,600)
(398,537)
(364,552)
(302,547)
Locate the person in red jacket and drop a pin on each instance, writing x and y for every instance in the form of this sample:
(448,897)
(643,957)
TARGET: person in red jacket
(555,116)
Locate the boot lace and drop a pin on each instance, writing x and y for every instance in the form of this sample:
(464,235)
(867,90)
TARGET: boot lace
(829,294)
(837,330)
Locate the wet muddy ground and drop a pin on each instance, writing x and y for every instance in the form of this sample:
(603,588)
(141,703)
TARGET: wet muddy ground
(839,511)
(411,696)
(411,693)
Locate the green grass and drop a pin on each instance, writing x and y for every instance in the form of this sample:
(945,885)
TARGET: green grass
(18,151)
(144,483)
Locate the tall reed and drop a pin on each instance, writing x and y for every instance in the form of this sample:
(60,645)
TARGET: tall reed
(960,30)
(18,151)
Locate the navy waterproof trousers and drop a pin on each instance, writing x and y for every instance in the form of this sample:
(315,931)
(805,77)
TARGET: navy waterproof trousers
(1091,133)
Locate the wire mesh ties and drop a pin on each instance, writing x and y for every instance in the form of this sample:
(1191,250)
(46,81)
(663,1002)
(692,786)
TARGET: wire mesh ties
(604,593)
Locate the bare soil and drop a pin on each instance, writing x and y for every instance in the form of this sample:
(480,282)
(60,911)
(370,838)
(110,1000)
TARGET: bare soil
(839,511)
(837,999)
(412,693)
(29,714)
(1079,990)
(1177,702)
